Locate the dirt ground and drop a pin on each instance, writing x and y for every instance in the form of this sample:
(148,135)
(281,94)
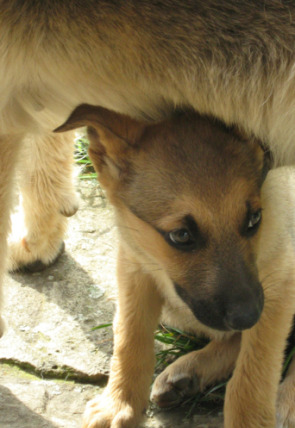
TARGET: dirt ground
(51,361)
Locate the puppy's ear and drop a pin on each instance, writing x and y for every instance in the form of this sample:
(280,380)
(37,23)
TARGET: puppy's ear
(263,154)
(264,158)
(267,164)
(112,136)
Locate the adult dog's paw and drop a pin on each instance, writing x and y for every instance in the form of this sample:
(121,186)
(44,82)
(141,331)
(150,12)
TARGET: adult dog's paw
(103,412)
(286,404)
(177,382)
(36,255)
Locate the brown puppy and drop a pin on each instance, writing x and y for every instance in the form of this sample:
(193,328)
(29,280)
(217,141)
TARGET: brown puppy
(187,196)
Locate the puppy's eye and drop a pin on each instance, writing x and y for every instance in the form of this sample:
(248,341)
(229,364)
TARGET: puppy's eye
(180,238)
(254,221)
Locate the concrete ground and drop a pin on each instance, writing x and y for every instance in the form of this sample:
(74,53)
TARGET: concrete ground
(51,361)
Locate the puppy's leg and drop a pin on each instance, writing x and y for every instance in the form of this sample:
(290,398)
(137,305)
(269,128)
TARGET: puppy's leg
(195,371)
(9,149)
(252,391)
(47,198)
(126,394)
(286,400)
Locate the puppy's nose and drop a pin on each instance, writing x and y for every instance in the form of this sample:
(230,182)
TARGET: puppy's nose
(238,319)
(244,315)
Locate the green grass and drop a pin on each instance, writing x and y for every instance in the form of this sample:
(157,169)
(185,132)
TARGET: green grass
(288,359)
(81,157)
(177,343)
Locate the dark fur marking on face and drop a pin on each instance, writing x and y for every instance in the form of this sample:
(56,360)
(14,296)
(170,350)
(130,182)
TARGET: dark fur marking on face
(234,301)
(195,241)
(202,310)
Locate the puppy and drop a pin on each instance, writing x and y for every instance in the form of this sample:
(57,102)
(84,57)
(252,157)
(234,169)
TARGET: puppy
(202,246)
(231,60)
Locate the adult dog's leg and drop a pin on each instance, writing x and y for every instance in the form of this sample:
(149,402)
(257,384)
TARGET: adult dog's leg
(126,395)
(286,400)
(195,371)
(252,392)
(47,198)
(9,149)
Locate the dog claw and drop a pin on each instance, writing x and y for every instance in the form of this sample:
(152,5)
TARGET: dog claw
(166,398)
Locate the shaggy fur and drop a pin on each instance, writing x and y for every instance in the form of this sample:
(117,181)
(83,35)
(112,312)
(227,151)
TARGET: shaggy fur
(232,59)
(194,176)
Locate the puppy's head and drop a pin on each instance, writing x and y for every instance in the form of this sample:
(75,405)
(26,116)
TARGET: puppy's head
(187,193)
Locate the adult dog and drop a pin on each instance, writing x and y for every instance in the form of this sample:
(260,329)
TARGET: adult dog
(233,60)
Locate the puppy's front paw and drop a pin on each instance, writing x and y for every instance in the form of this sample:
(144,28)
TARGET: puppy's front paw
(286,404)
(176,383)
(103,412)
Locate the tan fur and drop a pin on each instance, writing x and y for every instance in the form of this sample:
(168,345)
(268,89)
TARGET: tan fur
(234,61)
(9,148)
(209,173)
(48,197)
(139,309)
(197,370)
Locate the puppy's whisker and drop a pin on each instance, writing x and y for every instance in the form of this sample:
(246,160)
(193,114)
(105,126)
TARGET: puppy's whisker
(147,267)
(137,263)
(120,226)
(272,273)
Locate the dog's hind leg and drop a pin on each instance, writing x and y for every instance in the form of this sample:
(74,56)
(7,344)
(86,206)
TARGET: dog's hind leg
(195,371)
(9,150)
(126,394)
(48,197)
(286,399)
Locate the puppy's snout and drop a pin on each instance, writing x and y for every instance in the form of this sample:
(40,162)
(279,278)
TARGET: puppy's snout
(245,313)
